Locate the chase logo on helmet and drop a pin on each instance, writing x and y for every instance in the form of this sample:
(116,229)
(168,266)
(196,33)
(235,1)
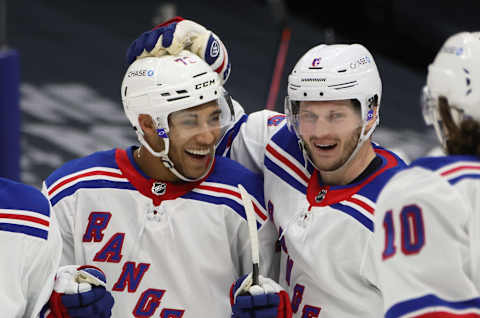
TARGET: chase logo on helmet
(143,72)
(453,50)
(361,61)
(205,84)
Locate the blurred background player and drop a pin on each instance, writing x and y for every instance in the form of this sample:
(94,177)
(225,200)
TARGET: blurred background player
(428,244)
(322,173)
(165,220)
(31,248)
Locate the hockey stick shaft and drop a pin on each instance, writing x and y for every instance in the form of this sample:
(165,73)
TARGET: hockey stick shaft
(252,230)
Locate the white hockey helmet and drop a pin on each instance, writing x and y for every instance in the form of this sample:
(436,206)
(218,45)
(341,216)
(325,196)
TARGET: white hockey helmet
(336,72)
(160,86)
(454,75)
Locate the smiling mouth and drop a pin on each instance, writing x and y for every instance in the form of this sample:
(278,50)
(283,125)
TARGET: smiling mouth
(327,147)
(197,153)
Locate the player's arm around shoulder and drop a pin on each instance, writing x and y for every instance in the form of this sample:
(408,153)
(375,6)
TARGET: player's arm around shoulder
(255,132)
(421,222)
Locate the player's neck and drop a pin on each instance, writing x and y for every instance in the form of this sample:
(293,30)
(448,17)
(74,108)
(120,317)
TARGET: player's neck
(353,169)
(152,166)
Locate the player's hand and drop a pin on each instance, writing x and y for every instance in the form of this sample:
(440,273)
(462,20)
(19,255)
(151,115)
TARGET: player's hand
(178,34)
(80,292)
(266,300)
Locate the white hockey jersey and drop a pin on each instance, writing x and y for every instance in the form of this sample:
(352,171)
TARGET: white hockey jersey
(31,248)
(327,262)
(168,250)
(428,239)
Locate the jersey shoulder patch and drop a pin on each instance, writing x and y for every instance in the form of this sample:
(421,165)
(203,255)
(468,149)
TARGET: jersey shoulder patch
(23,210)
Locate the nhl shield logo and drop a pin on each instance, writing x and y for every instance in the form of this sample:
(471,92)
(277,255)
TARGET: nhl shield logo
(159,188)
(320,196)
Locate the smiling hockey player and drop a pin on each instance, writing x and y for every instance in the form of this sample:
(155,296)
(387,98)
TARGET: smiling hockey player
(165,220)
(322,173)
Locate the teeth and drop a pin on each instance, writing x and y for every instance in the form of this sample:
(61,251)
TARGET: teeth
(198,152)
(324,145)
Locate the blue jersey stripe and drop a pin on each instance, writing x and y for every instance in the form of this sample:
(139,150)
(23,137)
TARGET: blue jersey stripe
(24,229)
(104,159)
(465,176)
(288,141)
(426,301)
(355,214)
(91,184)
(229,172)
(18,196)
(229,137)
(219,201)
(282,174)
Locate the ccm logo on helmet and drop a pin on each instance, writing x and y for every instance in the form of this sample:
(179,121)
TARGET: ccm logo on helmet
(205,84)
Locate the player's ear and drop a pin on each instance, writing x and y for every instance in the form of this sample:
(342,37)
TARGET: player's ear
(146,124)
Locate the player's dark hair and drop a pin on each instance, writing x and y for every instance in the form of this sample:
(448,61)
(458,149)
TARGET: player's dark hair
(463,139)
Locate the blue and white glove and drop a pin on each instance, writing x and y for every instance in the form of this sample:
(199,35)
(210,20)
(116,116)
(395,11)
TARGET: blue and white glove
(79,292)
(266,300)
(178,34)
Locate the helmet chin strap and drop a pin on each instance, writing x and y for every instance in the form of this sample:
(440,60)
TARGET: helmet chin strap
(167,162)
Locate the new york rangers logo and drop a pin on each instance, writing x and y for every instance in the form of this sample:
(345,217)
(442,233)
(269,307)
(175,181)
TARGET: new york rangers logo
(159,188)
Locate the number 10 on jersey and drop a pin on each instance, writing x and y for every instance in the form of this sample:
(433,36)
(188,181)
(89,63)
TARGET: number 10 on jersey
(412,231)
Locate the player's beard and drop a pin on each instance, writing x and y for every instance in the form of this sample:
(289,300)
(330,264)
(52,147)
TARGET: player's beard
(349,148)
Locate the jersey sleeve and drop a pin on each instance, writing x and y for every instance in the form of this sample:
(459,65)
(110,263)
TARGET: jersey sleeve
(63,213)
(421,240)
(248,146)
(31,246)
(41,274)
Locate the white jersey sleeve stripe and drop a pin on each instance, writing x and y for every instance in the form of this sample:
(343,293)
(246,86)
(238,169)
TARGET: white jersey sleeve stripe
(432,306)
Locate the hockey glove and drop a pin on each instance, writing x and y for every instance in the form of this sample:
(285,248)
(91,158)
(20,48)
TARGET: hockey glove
(80,292)
(267,300)
(178,34)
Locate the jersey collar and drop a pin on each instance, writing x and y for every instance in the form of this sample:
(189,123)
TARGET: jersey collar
(156,190)
(323,195)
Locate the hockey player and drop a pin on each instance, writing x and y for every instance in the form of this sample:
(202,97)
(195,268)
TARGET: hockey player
(165,220)
(428,216)
(31,248)
(322,173)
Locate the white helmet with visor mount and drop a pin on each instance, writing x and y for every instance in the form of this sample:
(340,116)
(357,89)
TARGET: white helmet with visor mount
(335,72)
(160,86)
